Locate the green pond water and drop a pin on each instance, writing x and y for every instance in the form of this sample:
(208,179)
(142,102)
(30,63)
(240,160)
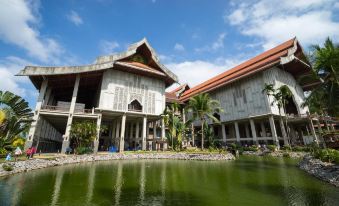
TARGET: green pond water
(247,181)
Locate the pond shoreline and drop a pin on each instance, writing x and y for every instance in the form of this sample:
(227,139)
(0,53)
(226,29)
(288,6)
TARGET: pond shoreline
(325,171)
(36,163)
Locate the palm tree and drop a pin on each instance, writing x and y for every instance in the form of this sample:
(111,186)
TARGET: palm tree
(203,108)
(16,117)
(324,99)
(280,96)
(175,124)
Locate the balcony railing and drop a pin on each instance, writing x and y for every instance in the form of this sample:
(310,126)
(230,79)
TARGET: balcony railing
(66,109)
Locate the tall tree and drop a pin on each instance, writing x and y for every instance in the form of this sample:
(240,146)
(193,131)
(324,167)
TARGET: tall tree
(203,108)
(324,99)
(280,96)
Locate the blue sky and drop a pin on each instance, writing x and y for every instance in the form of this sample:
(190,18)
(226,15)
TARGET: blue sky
(196,39)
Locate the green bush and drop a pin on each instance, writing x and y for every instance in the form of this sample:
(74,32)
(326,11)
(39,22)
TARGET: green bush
(327,155)
(83,150)
(7,167)
(252,148)
(300,149)
(272,147)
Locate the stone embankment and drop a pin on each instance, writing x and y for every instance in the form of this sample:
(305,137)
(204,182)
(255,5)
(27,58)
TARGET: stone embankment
(325,171)
(33,164)
(276,154)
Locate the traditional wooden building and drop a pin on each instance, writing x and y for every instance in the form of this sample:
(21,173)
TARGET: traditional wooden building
(125,92)
(249,116)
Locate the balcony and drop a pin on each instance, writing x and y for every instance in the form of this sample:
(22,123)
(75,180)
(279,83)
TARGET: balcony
(65,109)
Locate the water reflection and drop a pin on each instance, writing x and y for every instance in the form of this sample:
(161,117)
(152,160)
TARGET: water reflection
(57,186)
(249,181)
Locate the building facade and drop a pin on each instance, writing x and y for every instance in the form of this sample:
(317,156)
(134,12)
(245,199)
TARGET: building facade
(250,116)
(125,92)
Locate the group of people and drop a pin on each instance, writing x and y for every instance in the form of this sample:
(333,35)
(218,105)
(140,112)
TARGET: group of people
(17,152)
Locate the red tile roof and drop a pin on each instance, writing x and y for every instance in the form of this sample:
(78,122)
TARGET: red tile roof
(142,66)
(256,64)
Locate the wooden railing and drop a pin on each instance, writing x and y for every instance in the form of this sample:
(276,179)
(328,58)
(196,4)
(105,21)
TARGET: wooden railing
(66,109)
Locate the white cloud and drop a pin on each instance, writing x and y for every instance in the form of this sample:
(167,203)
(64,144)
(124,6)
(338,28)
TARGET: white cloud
(214,46)
(275,21)
(236,17)
(108,47)
(179,47)
(18,25)
(75,18)
(196,72)
(9,82)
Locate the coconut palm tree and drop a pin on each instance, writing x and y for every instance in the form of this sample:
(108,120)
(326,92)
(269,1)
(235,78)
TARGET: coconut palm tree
(203,108)
(16,117)
(280,96)
(324,99)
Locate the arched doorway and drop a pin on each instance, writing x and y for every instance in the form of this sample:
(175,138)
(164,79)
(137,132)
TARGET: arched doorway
(135,106)
(291,108)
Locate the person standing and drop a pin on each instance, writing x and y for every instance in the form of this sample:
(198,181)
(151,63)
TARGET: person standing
(17,153)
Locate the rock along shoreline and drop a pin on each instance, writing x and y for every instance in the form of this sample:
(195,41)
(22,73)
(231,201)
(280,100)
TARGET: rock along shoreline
(33,164)
(328,172)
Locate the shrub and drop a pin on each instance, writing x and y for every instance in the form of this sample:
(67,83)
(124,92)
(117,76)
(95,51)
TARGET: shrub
(327,155)
(300,149)
(252,148)
(83,150)
(272,147)
(7,167)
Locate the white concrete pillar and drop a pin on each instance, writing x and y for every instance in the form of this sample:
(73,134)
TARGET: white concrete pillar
(254,132)
(48,96)
(274,131)
(237,133)
(137,130)
(122,133)
(313,131)
(38,105)
(117,132)
(144,133)
(65,143)
(283,131)
(223,130)
(96,140)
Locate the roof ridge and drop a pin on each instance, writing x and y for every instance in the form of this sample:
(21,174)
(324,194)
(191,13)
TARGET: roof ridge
(243,65)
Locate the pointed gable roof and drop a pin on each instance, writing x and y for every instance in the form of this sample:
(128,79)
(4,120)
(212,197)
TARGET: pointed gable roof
(109,61)
(132,50)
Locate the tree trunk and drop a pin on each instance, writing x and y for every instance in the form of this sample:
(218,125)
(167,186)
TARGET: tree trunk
(202,134)
(193,144)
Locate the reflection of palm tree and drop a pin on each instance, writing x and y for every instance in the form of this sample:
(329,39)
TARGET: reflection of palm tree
(203,108)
